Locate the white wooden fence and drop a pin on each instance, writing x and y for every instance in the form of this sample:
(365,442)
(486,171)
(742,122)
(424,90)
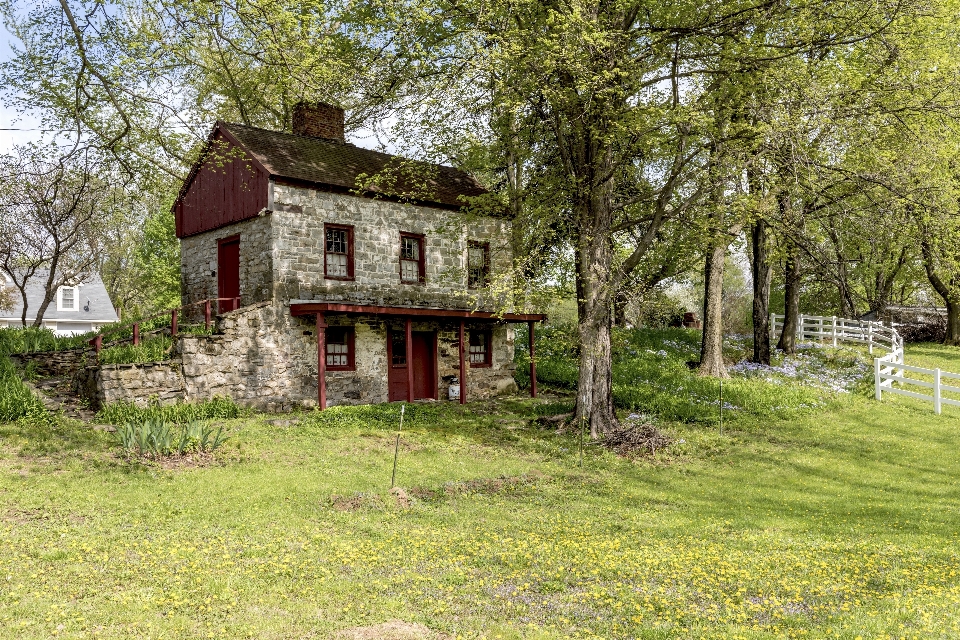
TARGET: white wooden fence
(889,369)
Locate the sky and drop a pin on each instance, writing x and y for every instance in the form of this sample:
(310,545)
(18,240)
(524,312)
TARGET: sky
(8,116)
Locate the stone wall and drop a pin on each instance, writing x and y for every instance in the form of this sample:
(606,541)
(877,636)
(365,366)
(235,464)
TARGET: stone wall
(55,364)
(136,383)
(262,357)
(298,218)
(198,262)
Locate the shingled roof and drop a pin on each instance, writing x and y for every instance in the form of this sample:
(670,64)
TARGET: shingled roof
(339,165)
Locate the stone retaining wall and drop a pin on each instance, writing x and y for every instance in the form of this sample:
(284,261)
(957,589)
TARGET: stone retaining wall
(55,364)
(137,383)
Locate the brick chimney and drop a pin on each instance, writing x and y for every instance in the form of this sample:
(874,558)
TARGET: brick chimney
(318,120)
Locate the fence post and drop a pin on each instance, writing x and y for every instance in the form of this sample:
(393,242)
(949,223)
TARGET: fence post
(173,323)
(800,328)
(773,326)
(870,336)
(206,314)
(876,379)
(936,390)
(834,331)
(98,343)
(136,333)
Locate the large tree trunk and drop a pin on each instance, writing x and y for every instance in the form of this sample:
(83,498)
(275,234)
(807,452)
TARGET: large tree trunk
(711,344)
(791,302)
(595,304)
(762,274)
(947,289)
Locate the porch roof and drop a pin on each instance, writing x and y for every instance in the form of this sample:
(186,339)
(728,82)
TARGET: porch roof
(312,307)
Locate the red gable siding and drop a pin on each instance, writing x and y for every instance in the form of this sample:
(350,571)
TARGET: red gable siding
(228,187)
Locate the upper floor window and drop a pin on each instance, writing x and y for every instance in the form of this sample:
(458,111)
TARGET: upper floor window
(338,252)
(480,349)
(478,264)
(340,349)
(411,258)
(68,298)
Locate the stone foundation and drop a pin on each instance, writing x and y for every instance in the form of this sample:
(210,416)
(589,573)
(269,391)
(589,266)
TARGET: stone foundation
(262,357)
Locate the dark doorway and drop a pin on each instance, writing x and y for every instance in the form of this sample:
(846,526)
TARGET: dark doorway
(228,273)
(424,364)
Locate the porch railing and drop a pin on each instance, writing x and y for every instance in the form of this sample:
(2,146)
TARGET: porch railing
(169,322)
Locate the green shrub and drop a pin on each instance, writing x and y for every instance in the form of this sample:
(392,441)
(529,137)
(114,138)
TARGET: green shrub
(17,402)
(180,413)
(149,350)
(156,439)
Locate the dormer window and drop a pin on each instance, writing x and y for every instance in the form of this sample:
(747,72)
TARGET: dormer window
(411,258)
(478,264)
(68,298)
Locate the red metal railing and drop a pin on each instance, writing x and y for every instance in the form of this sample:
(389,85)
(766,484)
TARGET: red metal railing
(174,315)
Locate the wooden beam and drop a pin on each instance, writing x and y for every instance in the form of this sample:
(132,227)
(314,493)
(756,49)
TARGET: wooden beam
(321,362)
(310,308)
(533,361)
(409,331)
(463,367)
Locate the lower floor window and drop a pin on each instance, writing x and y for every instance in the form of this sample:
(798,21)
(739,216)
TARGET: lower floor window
(479,348)
(340,348)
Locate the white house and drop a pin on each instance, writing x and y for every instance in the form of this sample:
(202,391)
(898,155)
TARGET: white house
(75,309)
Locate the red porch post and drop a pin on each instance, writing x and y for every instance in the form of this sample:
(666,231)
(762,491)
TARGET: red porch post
(463,367)
(136,333)
(173,322)
(533,362)
(206,314)
(321,362)
(409,330)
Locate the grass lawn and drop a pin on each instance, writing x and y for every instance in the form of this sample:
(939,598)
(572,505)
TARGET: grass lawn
(838,518)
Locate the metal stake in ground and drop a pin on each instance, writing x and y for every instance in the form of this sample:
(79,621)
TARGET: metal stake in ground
(721,406)
(396,450)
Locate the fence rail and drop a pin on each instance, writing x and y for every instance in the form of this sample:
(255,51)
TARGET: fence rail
(173,326)
(888,370)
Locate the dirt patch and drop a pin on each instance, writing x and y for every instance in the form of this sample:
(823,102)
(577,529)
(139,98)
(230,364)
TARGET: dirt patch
(356,502)
(402,498)
(636,439)
(486,486)
(392,630)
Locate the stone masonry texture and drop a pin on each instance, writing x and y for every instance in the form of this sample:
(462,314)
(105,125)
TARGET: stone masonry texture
(261,356)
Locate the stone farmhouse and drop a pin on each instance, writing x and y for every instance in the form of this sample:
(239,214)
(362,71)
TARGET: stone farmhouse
(344,275)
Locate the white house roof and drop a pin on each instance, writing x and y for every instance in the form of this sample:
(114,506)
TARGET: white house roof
(93,302)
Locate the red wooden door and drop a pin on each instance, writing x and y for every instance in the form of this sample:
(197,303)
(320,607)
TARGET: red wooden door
(228,273)
(424,365)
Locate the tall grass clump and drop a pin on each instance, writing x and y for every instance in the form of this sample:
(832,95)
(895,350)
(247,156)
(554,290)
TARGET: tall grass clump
(151,349)
(181,413)
(39,339)
(17,402)
(154,438)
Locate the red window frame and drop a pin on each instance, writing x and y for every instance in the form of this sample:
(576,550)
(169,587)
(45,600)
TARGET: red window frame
(473,244)
(339,227)
(341,335)
(421,262)
(488,354)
